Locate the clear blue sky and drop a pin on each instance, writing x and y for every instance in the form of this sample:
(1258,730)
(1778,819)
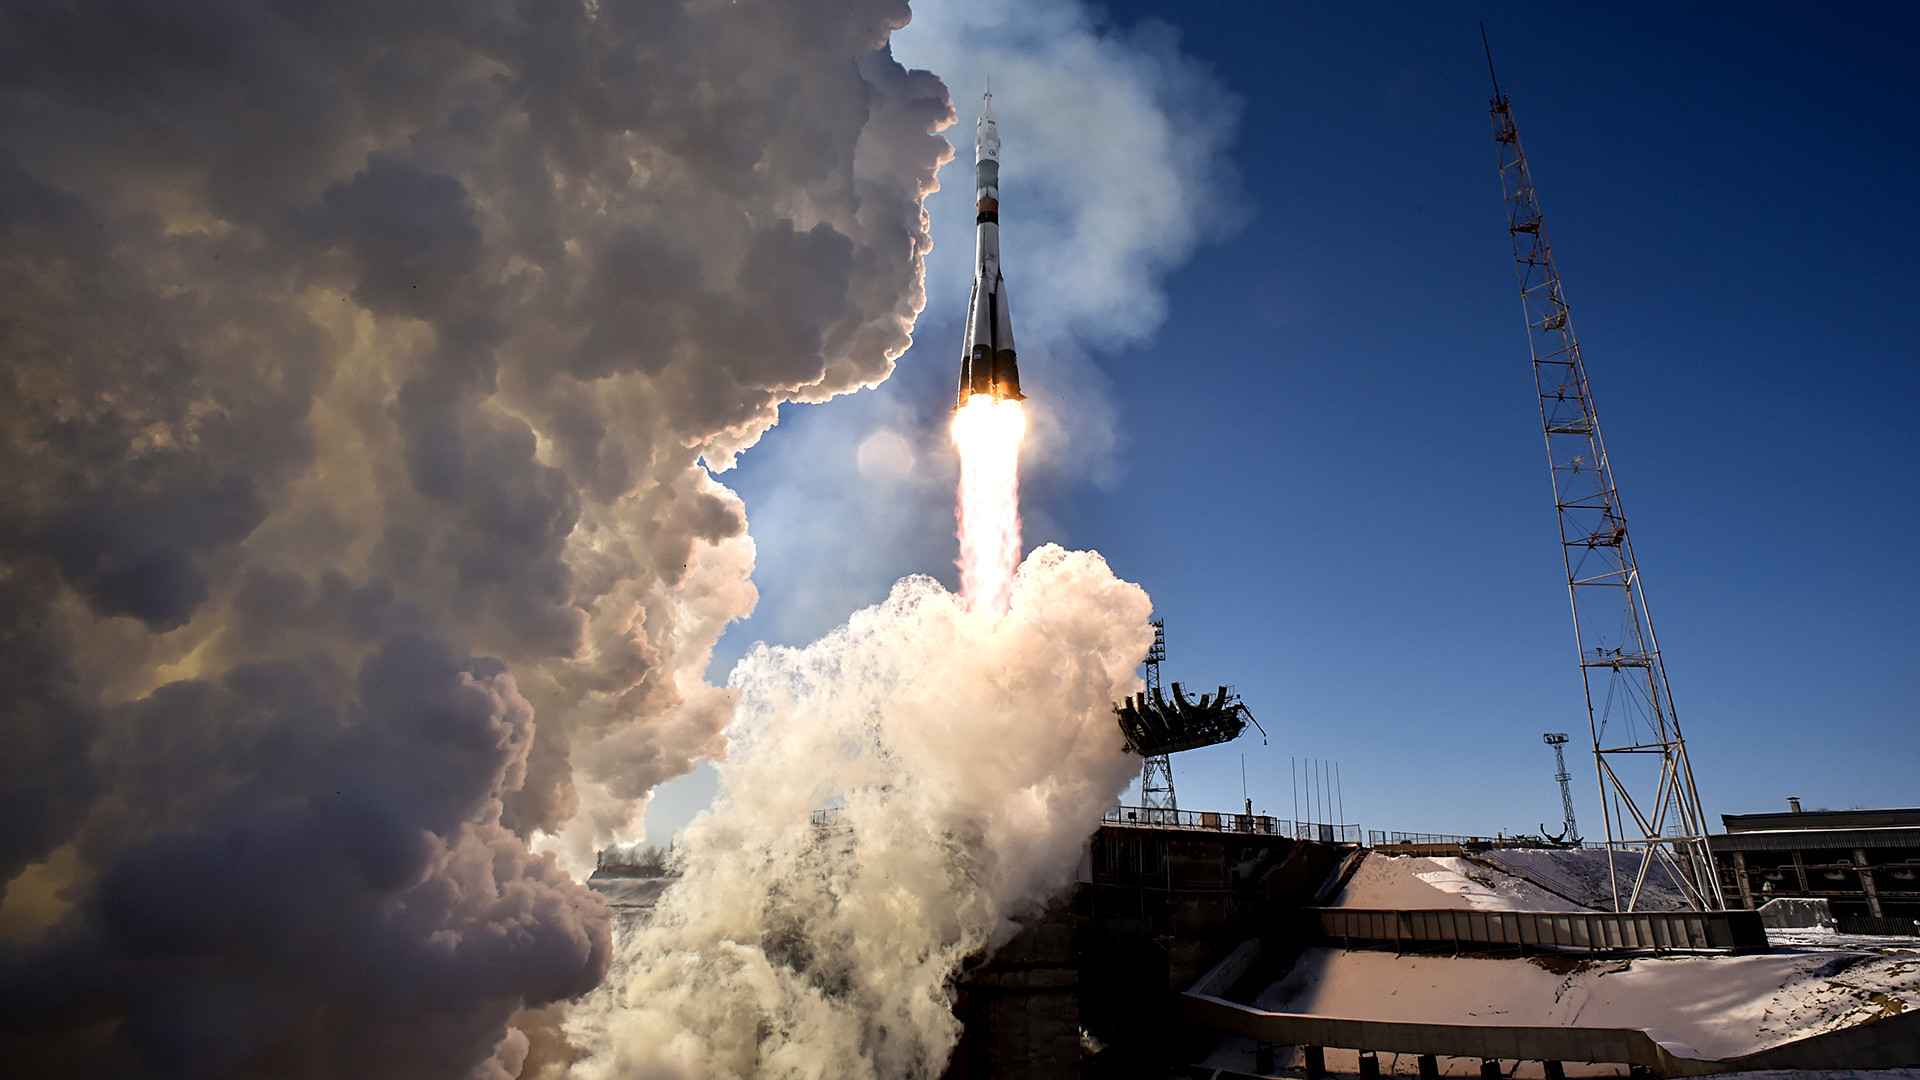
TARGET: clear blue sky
(1331,477)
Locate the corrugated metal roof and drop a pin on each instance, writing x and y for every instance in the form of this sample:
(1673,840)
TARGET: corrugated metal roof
(1822,819)
(1816,839)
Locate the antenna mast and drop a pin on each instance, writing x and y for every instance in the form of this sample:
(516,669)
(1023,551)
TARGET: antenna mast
(1156,772)
(1569,832)
(1647,796)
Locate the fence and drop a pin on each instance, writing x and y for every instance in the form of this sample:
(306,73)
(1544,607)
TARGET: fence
(1213,821)
(1326,833)
(1209,820)
(1380,837)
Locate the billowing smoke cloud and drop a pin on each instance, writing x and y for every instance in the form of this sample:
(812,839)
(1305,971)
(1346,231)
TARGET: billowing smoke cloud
(969,756)
(360,359)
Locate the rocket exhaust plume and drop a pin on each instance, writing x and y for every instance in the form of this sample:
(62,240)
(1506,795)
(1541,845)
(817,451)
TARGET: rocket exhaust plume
(988,421)
(988,431)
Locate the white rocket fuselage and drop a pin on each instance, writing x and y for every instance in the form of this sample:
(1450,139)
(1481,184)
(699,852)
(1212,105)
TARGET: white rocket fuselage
(987,360)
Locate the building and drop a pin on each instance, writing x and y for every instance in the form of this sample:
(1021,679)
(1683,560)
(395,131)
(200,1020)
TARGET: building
(1864,863)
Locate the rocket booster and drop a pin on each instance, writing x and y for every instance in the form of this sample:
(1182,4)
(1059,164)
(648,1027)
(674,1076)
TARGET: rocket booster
(986,361)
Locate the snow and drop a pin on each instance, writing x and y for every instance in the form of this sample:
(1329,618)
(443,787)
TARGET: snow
(1511,879)
(1581,874)
(1411,883)
(1238,1057)
(1721,1006)
(1826,938)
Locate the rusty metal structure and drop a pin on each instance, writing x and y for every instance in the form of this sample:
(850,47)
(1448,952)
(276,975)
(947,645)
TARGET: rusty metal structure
(1647,794)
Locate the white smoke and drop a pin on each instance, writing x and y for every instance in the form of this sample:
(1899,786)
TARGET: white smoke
(360,559)
(966,757)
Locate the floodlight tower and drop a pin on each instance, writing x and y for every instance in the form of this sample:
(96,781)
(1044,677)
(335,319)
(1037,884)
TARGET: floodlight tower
(1652,810)
(1156,772)
(1569,833)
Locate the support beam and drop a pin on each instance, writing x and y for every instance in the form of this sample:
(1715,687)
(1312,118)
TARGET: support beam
(1867,883)
(1740,871)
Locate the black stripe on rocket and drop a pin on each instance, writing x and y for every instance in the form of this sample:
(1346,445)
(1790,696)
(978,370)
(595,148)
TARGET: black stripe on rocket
(987,361)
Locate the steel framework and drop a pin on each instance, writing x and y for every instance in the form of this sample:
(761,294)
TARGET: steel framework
(1569,832)
(1632,721)
(1156,773)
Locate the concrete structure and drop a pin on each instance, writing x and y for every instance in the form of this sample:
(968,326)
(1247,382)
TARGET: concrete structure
(1090,988)
(1179,916)
(1864,863)
(1592,933)
(1889,1043)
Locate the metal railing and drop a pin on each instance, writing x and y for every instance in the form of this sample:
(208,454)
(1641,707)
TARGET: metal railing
(1380,837)
(1326,832)
(1208,820)
(1214,821)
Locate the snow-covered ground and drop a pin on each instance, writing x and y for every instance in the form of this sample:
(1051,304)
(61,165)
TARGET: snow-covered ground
(1406,883)
(1814,981)
(1509,880)
(1237,1057)
(1824,939)
(1583,875)
(1719,1005)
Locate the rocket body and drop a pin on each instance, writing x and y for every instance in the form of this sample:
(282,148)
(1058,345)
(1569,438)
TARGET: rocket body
(987,358)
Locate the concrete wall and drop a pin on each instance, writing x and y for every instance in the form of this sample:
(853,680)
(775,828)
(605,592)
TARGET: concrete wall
(1021,1009)
(1161,906)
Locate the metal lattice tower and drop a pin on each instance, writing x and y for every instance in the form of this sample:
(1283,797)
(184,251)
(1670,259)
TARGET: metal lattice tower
(1647,796)
(1156,773)
(1569,832)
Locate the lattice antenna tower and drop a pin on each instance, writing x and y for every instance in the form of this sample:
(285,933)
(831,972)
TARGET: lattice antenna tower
(1629,707)
(1569,832)
(1156,772)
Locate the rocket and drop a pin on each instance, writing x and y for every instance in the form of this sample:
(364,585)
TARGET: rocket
(986,360)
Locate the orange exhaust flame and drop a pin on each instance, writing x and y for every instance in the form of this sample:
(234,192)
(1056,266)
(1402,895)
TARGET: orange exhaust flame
(988,433)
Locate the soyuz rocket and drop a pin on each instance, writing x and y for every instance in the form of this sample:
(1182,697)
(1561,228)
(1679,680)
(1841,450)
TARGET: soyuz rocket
(986,361)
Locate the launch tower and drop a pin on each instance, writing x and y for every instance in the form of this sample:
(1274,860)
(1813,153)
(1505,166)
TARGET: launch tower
(1157,723)
(1156,772)
(1647,796)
